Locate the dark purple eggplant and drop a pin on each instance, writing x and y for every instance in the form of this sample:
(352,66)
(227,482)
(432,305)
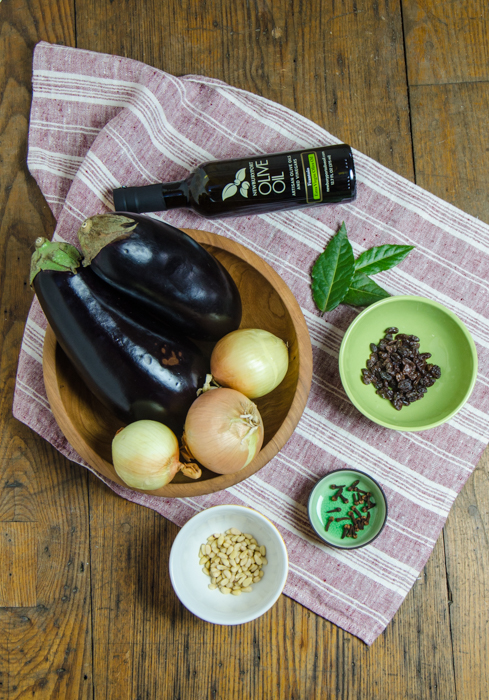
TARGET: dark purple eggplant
(164,270)
(134,371)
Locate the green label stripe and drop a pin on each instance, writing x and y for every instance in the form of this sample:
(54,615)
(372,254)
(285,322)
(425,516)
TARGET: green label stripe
(316,187)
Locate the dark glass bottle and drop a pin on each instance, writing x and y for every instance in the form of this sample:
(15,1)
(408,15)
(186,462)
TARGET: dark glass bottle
(252,185)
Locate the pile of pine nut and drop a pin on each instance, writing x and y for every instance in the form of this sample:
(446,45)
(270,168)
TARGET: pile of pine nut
(233,561)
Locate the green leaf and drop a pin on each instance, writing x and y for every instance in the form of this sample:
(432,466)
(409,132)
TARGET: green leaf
(364,291)
(381,257)
(333,271)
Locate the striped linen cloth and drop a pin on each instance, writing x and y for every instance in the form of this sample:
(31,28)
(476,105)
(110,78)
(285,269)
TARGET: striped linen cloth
(99,122)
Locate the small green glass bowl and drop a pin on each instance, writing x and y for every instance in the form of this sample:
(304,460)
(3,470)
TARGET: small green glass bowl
(320,502)
(441,333)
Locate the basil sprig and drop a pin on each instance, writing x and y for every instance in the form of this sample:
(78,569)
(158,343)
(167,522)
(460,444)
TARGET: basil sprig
(337,277)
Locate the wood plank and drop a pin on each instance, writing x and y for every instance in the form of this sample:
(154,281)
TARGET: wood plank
(446,42)
(468,582)
(329,62)
(18,573)
(17,498)
(45,647)
(447,45)
(451,144)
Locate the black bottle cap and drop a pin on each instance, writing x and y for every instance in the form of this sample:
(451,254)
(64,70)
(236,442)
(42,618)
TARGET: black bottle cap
(139,199)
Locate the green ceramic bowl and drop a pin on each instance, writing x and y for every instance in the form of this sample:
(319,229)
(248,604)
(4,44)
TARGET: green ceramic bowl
(440,332)
(320,503)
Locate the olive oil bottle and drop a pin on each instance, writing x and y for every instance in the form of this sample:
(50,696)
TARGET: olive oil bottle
(252,184)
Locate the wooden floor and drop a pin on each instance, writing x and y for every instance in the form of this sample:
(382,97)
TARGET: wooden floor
(87,609)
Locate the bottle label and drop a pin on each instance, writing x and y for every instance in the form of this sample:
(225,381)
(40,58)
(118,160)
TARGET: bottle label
(312,178)
(276,181)
(306,175)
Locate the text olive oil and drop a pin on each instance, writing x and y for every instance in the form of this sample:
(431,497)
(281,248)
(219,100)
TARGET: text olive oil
(252,184)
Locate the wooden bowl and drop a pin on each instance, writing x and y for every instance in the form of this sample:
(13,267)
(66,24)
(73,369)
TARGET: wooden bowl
(267,303)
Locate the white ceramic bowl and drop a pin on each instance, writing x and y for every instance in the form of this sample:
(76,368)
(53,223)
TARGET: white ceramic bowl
(191,584)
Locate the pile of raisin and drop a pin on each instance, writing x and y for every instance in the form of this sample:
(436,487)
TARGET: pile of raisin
(398,371)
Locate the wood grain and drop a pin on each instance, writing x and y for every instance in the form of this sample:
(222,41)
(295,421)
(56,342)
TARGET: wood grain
(328,61)
(342,64)
(45,631)
(446,42)
(451,118)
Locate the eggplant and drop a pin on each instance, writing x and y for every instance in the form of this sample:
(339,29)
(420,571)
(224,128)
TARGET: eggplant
(136,372)
(165,271)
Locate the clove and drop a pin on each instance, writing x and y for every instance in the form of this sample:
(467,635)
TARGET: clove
(334,510)
(330,520)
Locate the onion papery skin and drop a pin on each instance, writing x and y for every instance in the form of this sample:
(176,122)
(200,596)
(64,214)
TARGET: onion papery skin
(250,360)
(145,455)
(223,430)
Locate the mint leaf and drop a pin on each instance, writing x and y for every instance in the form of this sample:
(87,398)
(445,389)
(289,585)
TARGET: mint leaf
(333,271)
(364,291)
(381,257)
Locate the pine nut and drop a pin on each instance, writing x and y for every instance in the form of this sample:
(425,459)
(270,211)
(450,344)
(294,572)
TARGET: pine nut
(233,560)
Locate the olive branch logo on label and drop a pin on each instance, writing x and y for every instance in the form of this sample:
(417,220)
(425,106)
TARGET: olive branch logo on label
(239,181)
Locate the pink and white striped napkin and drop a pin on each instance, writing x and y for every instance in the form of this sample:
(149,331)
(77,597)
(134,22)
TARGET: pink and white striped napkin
(99,122)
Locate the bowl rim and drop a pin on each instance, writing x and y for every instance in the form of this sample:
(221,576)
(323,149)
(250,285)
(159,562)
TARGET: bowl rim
(274,445)
(283,548)
(429,302)
(309,506)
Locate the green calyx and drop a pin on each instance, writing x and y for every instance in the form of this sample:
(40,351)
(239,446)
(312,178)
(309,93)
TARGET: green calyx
(97,231)
(49,255)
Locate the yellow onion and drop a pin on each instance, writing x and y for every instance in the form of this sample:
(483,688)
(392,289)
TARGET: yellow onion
(250,360)
(145,455)
(223,430)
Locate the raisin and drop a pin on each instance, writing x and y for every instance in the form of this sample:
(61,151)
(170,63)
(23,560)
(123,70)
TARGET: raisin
(398,371)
